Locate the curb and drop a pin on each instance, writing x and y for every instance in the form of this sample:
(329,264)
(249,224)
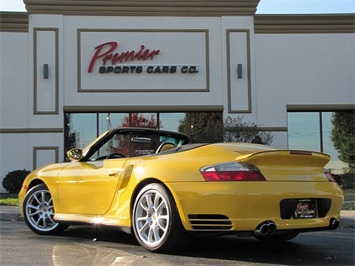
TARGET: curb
(10,213)
(347,219)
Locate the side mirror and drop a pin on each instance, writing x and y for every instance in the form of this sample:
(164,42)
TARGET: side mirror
(75,154)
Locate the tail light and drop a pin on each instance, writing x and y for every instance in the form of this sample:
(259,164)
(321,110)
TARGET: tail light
(232,172)
(329,176)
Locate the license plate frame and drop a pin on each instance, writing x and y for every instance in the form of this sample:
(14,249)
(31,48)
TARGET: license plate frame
(305,209)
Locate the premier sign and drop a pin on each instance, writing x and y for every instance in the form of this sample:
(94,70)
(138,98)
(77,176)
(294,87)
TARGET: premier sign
(110,55)
(106,52)
(143,61)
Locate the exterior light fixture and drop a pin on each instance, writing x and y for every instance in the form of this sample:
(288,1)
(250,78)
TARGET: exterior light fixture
(45,71)
(240,71)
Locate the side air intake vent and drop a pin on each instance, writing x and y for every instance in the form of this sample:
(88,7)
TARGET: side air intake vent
(210,222)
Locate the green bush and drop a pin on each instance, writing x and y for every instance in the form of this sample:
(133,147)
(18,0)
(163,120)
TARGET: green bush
(346,181)
(13,180)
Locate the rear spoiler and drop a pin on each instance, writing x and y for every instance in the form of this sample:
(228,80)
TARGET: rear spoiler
(299,157)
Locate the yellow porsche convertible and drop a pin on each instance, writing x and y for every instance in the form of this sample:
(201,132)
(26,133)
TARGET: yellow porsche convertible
(156,185)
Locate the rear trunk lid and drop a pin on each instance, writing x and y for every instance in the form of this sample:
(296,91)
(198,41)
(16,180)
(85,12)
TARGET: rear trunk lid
(289,165)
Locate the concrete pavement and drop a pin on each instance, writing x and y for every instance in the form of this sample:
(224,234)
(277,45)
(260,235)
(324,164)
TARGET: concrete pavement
(12,213)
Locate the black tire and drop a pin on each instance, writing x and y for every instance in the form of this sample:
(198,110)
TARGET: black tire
(156,222)
(278,237)
(38,211)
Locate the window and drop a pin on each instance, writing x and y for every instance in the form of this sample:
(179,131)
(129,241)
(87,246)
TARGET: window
(82,128)
(312,131)
(171,121)
(304,131)
(111,120)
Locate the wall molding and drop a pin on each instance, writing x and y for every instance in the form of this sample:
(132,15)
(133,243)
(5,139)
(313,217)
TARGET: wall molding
(144,8)
(205,87)
(30,130)
(267,24)
(36,149)
(320,107)
(329,23)
(13,22)
(139,109)
(274,129)
(247,74)
(37,76)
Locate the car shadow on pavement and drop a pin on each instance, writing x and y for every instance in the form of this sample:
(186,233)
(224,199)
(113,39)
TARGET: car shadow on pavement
(306,249)
(99,233)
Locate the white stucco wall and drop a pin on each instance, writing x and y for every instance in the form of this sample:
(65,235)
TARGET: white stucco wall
(14,85)
(14,105)
(302,69)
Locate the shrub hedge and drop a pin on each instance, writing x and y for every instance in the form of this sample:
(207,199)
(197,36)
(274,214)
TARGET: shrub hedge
(12,182)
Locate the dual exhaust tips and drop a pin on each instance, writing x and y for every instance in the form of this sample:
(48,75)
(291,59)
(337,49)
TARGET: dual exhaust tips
(268,228)
(265,228)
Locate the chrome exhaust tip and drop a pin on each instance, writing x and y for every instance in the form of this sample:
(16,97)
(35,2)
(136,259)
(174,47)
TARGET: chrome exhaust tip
(333,224)
(265,228)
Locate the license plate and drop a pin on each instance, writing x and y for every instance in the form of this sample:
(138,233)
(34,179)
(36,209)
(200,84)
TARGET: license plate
(305,208)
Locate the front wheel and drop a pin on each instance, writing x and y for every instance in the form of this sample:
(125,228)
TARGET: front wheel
(38,211)
(156,222)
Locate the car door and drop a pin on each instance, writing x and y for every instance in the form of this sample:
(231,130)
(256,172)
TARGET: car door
(88,187)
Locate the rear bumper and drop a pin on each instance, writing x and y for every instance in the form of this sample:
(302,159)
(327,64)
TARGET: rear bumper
(243,206)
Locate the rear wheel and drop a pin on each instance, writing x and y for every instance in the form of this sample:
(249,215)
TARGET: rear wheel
(156,222)
(38,211)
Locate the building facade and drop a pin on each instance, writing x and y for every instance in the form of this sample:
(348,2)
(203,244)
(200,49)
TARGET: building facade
(72,69)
